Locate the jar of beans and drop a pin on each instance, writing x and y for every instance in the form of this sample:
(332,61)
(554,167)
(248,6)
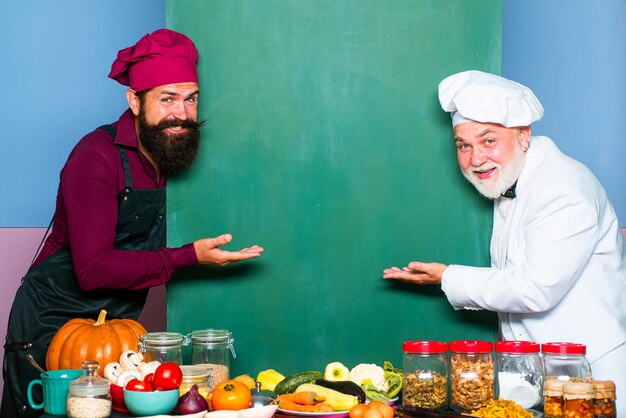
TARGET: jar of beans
(578,400)
(553,398)
(604,399)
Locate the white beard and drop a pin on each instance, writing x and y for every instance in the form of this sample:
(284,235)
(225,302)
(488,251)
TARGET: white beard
(501,180)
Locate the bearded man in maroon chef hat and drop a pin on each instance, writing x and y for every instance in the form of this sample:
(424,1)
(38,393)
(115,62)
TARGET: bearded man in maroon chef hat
(107,245)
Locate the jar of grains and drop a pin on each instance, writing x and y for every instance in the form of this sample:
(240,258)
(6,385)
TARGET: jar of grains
(212,348)
(553,398)
(604,399)
(425,373)
(163,347)
(519,372)
(566,361)
(89,395)
(578,400)
(471,374)
(195,375)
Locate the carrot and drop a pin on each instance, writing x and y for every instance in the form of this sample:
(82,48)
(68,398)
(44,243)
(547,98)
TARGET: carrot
(303,398)
(292,406)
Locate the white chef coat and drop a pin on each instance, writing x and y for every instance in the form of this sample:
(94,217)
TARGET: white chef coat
(558,266)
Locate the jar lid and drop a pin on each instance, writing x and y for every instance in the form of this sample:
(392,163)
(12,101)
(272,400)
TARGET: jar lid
(577,390)
(517,347)
(161,338)
(424,347)
(195,370)
(210,336)
(563,348)
(90,384)
(603,389)
(471,346)
(553,387)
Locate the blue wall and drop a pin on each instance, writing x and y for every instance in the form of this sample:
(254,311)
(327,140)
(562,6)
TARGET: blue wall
(56,56)
(572,53)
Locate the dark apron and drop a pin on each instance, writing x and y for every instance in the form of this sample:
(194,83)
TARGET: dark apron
(49,295)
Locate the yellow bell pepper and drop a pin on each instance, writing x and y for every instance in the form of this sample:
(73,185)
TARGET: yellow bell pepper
(269,379)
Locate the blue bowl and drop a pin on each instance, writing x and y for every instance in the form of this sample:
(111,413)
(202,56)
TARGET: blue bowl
(151,403)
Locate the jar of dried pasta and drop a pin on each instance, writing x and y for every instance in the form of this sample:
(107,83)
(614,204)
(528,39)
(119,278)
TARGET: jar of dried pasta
(578,400)
(425,373)
(553,398)
(566,361)
(471,374)
(604,399)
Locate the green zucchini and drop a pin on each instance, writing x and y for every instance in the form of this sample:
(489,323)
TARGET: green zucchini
(345,386)
(290,383)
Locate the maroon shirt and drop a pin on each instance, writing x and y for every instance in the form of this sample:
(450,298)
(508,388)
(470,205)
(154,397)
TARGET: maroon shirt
(86,214)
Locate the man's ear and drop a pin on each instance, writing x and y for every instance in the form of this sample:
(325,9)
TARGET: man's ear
(133,101)
(523,136)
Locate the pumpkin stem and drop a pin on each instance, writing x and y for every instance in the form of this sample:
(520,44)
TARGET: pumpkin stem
(101,317)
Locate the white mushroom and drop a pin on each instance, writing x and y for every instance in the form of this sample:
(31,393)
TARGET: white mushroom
(127,376)
(147,368)
(112,371)
(130,360)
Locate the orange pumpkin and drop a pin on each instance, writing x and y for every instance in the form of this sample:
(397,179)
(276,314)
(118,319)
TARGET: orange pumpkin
(85,339)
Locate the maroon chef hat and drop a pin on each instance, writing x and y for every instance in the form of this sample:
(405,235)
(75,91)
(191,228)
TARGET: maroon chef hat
(162,57)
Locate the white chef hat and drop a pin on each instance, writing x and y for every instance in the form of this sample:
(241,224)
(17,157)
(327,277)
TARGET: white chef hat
(482,97)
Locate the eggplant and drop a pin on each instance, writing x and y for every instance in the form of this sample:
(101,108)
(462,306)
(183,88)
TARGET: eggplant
(345,386)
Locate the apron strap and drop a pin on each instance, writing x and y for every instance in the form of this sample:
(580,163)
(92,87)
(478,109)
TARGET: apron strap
(110,130)
(128,180)
(17,346)
(43,239)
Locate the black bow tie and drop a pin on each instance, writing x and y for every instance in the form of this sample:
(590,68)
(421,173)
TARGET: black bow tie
(510,193)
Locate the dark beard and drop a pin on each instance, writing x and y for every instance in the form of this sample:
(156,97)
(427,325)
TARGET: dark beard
(171,153)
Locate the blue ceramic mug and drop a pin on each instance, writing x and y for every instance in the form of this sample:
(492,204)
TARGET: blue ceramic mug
(56,387)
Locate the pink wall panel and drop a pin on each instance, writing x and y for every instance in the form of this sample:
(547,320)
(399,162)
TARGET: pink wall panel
(17,249)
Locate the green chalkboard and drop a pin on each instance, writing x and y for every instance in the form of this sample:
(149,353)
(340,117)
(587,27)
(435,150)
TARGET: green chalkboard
(325,144)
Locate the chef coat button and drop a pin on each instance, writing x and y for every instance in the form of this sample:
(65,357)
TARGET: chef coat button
(160,216)
(24,408)
(136,218)
(127,190)
(125,198)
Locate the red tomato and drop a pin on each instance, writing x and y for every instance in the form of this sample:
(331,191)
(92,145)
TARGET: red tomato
(139,386)
(167,376)
(148,378)
(231,395)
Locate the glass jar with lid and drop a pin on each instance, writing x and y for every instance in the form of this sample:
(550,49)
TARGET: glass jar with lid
(553,398)
(566,361)
(578,400)
(604,399)
(195,375)
(471,374)
(425,375)
(519,372)
(163,347)
(89,395)
(212,348)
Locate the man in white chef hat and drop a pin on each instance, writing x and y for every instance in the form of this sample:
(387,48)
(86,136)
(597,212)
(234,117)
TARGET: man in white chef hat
(558,266)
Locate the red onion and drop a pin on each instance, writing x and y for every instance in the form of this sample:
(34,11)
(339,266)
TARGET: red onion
(191,402)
